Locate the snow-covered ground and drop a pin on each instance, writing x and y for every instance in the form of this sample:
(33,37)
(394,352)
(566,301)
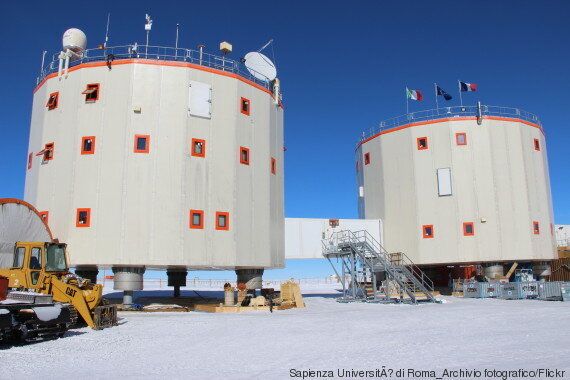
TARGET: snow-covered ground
(467,334)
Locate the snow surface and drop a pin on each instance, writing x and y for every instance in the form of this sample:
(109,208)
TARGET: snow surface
(48,313)
(326,335)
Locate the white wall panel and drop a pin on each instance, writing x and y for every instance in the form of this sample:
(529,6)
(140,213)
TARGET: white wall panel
(303,236)
(140,202)
(499,182)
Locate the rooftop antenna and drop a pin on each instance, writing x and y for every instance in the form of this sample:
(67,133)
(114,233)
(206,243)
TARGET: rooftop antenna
(147,27)
(107,31)
(265,46)
(176,46)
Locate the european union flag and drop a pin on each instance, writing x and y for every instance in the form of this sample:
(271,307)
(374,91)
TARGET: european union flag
(441,91)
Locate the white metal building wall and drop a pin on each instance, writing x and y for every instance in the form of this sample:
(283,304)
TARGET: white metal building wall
(499,182)
(140,202)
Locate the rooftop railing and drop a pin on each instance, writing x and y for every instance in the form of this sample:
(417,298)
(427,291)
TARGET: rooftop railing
(449,112)
(197,57)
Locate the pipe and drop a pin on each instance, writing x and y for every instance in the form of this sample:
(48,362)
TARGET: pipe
(67,54)
(201,48)
(60,67)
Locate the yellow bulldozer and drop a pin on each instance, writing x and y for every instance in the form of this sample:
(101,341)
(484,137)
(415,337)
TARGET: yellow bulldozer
(42,266)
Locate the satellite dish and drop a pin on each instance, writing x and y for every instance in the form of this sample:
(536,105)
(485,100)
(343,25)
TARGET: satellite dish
(260,66)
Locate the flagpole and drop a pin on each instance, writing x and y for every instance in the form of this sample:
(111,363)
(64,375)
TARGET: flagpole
(460,97)
(407,102)
(436,102)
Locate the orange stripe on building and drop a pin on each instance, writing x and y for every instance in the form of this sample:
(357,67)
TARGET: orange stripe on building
(428,122)
(156,62)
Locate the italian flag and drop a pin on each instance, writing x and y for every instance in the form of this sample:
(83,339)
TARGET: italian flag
(414,94)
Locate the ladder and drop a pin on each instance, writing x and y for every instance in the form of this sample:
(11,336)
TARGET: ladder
(362,259)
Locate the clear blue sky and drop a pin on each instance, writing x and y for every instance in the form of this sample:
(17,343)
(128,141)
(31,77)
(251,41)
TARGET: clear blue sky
(343,67)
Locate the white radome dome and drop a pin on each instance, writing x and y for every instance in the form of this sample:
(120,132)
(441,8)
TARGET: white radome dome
(75,40)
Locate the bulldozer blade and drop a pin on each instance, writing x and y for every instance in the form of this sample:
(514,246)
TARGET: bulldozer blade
(105,316)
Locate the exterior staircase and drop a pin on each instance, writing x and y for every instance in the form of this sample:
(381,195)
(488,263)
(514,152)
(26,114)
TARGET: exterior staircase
(363,259)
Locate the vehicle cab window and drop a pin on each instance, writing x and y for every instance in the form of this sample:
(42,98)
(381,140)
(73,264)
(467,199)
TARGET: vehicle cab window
(35,265)
(19,257)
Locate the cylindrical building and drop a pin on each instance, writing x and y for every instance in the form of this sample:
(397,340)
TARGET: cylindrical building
(158,157)
(459,185)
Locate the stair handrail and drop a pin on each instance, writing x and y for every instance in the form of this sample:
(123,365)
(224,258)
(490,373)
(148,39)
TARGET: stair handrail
(373,250)
(406,261)
(378,252)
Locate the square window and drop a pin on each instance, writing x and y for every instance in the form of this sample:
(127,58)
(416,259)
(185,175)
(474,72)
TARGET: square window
(536,227)
(44,215)
(197,219)
(198,148)
(366,158)
(461,138)
(91,92)
(47,152)
(142,143)
(245,106)
(537,145)
(53,101)
(427,231)
(83,217)
(244,155)
(273,166)
(468,229)
(88,145)
(222,221)
(30,160)
(422,143)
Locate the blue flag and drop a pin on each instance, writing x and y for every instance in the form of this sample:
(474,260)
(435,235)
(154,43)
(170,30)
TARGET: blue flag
(440,91)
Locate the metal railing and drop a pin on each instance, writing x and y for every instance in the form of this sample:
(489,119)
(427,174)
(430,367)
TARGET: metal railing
(563,242)
(155,53)
(371,253)
(450,112)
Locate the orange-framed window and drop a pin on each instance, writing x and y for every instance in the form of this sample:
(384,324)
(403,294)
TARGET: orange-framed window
(196,219)
(47,152)
(537,145)
(273,165)
(461,138)
(142,144)
(53,101)
(366,158)
(44,215)
(428,231)
(244,155)
(422,143)
(91,92)
(198,148)
(468,229)
(30,159)
(83,217)
(245,106)
(88,145)
(222,220)
(536,227)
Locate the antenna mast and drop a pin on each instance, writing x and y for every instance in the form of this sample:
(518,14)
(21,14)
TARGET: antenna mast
(107,31)
(265,46)
(147,27)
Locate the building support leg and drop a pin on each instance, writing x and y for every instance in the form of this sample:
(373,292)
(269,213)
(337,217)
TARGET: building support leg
(176,278)
(128,279)
(252,278)
(88,272)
